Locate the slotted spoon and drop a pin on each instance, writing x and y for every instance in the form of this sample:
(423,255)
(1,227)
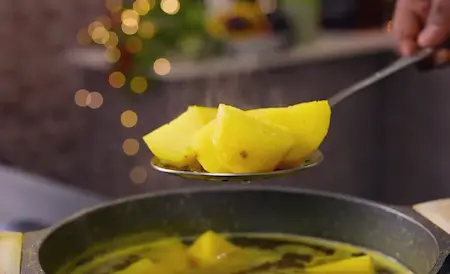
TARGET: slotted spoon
(315,158)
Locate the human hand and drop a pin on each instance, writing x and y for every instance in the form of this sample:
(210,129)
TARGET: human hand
(421,23)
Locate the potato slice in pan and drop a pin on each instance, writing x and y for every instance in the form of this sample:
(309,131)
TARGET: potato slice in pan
(360,265)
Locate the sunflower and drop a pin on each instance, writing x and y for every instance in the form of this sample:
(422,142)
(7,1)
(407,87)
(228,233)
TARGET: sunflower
(243,20)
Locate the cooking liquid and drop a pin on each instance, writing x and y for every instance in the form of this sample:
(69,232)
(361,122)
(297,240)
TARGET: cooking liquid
(296,253)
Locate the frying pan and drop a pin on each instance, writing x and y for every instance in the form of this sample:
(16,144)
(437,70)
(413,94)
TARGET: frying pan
(409,234)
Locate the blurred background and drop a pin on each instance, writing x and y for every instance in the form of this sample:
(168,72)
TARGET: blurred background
(82,81)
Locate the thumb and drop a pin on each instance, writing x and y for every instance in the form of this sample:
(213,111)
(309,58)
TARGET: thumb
(437,27)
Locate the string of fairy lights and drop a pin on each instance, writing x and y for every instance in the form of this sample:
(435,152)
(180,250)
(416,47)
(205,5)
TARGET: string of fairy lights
(102,32)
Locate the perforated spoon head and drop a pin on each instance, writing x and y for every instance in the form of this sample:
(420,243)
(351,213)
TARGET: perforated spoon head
(313,160)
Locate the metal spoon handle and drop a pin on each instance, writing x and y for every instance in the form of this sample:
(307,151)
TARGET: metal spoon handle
(398,65)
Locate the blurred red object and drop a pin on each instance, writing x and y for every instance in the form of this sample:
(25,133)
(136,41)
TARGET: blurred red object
(126,60)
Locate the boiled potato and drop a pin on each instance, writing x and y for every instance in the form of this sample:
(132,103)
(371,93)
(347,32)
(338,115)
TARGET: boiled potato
(145,266)
(171,143)
(360,265)
(308,122)
(246,144)
(210,247)
(206,151)
(172,254)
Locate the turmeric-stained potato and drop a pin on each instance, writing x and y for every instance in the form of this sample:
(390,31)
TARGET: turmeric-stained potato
(171,143)
(360,265)
(170,252)
(308,122)
(246,144)
(206,151)
(210,247)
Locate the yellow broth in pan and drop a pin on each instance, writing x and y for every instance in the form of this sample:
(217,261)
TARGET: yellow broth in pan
(248,253)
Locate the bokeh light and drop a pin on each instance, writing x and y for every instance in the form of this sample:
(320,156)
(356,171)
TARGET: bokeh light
(113,5)
(138,175)
(130,147)
(129,30)
(146,29)
(92,26)
(100,35)
(81,97)
(128,118)
(170,6)
(94,100)
(112,55)
(83,37)
(130,21)
(142,7)
(116,79)
(162,66)
(113,40)
(133,44)
(138,84)
(130,18)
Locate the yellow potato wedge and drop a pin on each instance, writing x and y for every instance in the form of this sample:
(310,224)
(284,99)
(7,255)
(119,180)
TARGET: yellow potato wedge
(173,256)
(210,247)
(360,265)
(308,122)
(206,151)
(246,144)
(171,143)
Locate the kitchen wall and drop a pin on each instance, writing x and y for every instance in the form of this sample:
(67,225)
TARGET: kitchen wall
(350,150)
(41,129)
(389,143)
(416,125)
(44,132)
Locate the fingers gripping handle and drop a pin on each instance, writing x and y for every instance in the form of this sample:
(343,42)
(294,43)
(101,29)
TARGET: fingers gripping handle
(440,59)
(10,252)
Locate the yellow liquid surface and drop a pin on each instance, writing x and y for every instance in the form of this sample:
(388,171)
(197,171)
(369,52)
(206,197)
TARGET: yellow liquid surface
(259,254)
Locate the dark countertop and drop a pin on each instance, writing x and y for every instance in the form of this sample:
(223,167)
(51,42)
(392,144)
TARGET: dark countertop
(30,200)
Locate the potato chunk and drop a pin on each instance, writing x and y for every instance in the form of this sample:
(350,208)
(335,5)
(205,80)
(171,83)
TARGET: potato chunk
(361,265)
(145,266)
(171,143)
(206,151)
(246,144)
(210,247)
(308,122)
(172,254)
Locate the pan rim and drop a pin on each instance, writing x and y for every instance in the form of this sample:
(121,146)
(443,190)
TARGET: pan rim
(434,231)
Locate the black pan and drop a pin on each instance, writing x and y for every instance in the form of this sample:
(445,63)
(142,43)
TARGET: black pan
(399,232)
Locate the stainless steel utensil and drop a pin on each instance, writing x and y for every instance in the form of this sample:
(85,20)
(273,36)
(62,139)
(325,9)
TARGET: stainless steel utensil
(398,65)
(317,157)
(313,160)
